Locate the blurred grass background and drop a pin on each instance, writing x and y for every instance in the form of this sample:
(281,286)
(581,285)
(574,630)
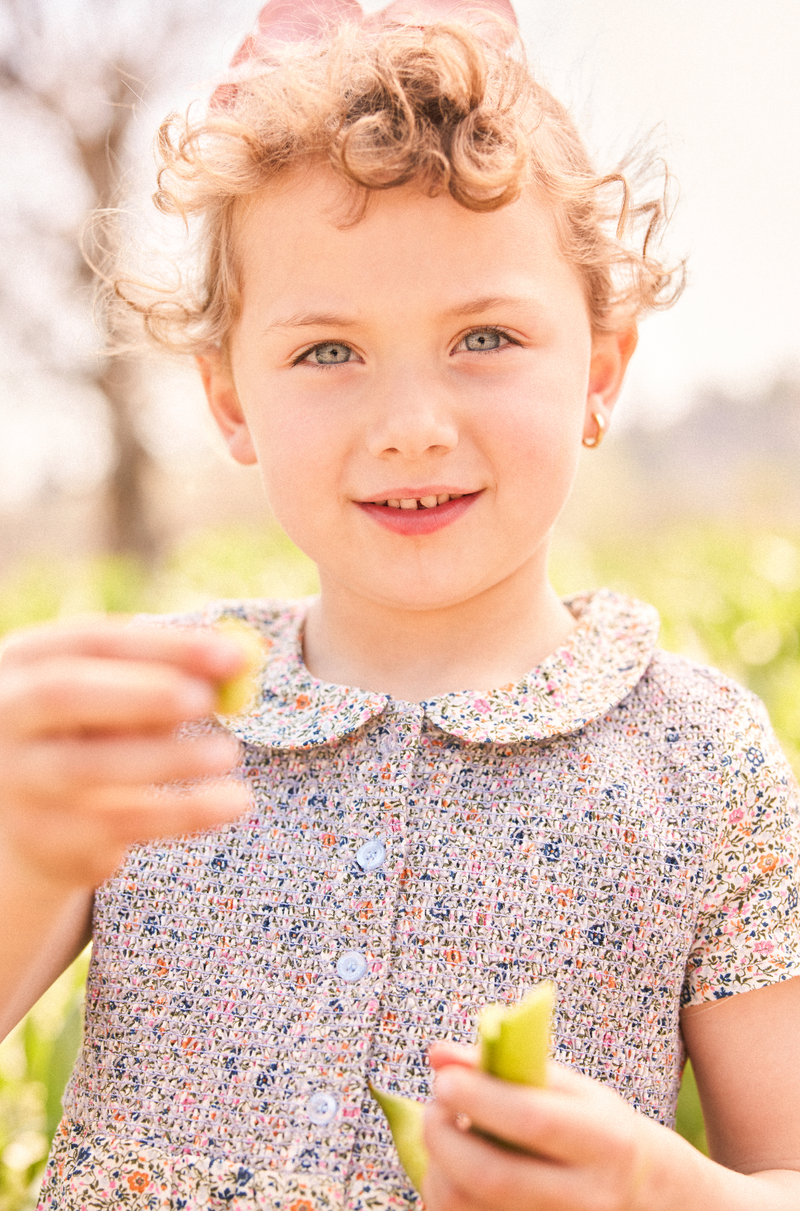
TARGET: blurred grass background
(728,596)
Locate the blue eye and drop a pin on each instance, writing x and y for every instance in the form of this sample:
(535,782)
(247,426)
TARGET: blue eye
(331,353)
(482,340)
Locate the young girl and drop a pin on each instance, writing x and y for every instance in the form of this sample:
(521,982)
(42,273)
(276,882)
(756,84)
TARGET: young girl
(409,309)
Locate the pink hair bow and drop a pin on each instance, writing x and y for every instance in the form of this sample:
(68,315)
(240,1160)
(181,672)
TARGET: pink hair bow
(286,21)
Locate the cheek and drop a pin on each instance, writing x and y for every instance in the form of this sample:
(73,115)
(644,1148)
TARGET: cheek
(537,441)
(300,457)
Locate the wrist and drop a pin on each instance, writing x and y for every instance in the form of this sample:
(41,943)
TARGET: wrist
(22,876)
(679,1178)
(45,923)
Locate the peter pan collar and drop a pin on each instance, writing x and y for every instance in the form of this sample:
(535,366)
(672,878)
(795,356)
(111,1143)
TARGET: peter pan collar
(602,660)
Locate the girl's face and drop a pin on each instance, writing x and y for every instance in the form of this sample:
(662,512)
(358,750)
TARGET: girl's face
(424,353)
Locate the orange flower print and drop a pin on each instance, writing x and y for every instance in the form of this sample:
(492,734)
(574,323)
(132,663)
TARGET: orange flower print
(301,1204)
(301,702)
(767,862)
(138,1181)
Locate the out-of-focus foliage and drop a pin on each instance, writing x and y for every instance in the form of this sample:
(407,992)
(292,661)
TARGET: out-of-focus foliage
(35,1062)
(234,562)
(728,597)
(689,1123)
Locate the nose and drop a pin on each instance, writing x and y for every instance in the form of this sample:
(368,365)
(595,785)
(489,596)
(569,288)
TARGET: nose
(411,417)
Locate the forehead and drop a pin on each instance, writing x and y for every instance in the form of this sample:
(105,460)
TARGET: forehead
(301,233)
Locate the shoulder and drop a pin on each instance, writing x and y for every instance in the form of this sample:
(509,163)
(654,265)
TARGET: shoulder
(699,718)
(698,692)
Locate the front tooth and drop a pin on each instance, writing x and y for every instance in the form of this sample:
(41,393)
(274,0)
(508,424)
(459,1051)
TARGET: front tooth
(443,498)
(393,504)
(428,502)
(408,504)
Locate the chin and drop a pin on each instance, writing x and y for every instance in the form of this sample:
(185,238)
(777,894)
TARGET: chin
(411,594)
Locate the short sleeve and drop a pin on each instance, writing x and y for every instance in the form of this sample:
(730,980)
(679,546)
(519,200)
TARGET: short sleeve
(748,928)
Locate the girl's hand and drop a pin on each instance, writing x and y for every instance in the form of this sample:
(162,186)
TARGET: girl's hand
(88,713)
(586,1149)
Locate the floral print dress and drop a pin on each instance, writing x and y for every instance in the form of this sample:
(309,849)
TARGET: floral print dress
(621,820)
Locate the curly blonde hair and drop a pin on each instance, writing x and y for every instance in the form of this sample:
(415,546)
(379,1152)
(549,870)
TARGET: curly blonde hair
(440,106)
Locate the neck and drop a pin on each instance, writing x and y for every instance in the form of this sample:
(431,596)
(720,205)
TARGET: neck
(492,639)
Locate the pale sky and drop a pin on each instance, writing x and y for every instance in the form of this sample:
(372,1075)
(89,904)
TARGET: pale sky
(721,80)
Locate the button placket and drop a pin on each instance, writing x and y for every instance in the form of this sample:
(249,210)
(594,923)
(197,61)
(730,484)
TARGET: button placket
(390,810)
(379,780)
(364,885)
(390,795)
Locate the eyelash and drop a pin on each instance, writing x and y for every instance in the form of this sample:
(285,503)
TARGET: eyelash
(489,328)
(330,365)
(301,357)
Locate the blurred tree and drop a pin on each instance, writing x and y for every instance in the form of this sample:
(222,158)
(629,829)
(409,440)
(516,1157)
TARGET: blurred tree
(80,72)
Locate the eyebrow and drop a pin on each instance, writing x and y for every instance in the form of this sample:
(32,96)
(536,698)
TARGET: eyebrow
(489,302)
(313,319)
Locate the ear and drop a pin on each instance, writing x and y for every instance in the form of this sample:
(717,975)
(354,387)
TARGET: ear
(611,352)
(223,401)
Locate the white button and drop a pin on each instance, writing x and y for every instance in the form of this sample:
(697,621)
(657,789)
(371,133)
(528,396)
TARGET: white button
(351,966)
(371,855)
(322,1108)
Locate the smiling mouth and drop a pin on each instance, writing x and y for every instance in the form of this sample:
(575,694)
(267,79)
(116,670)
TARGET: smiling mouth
(418,516)
(420,502)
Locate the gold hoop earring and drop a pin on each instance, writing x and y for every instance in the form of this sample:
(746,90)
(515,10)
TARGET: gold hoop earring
(593,442)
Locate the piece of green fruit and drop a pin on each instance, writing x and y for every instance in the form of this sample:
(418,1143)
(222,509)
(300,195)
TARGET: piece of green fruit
(240,693)
(405,1116)
(515,1041)
(514,1046)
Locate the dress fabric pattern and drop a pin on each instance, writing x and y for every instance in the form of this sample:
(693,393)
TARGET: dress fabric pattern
(621,820)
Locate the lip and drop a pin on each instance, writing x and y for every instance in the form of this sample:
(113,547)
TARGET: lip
(415,523)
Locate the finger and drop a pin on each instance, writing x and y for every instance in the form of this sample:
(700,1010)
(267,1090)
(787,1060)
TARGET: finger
(85,846)
(129,815)
(439,1194)
(442,1054)
(77,693)
(558,1126)
(60,767)
(201,650)
(567,1080)
(493,1177)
